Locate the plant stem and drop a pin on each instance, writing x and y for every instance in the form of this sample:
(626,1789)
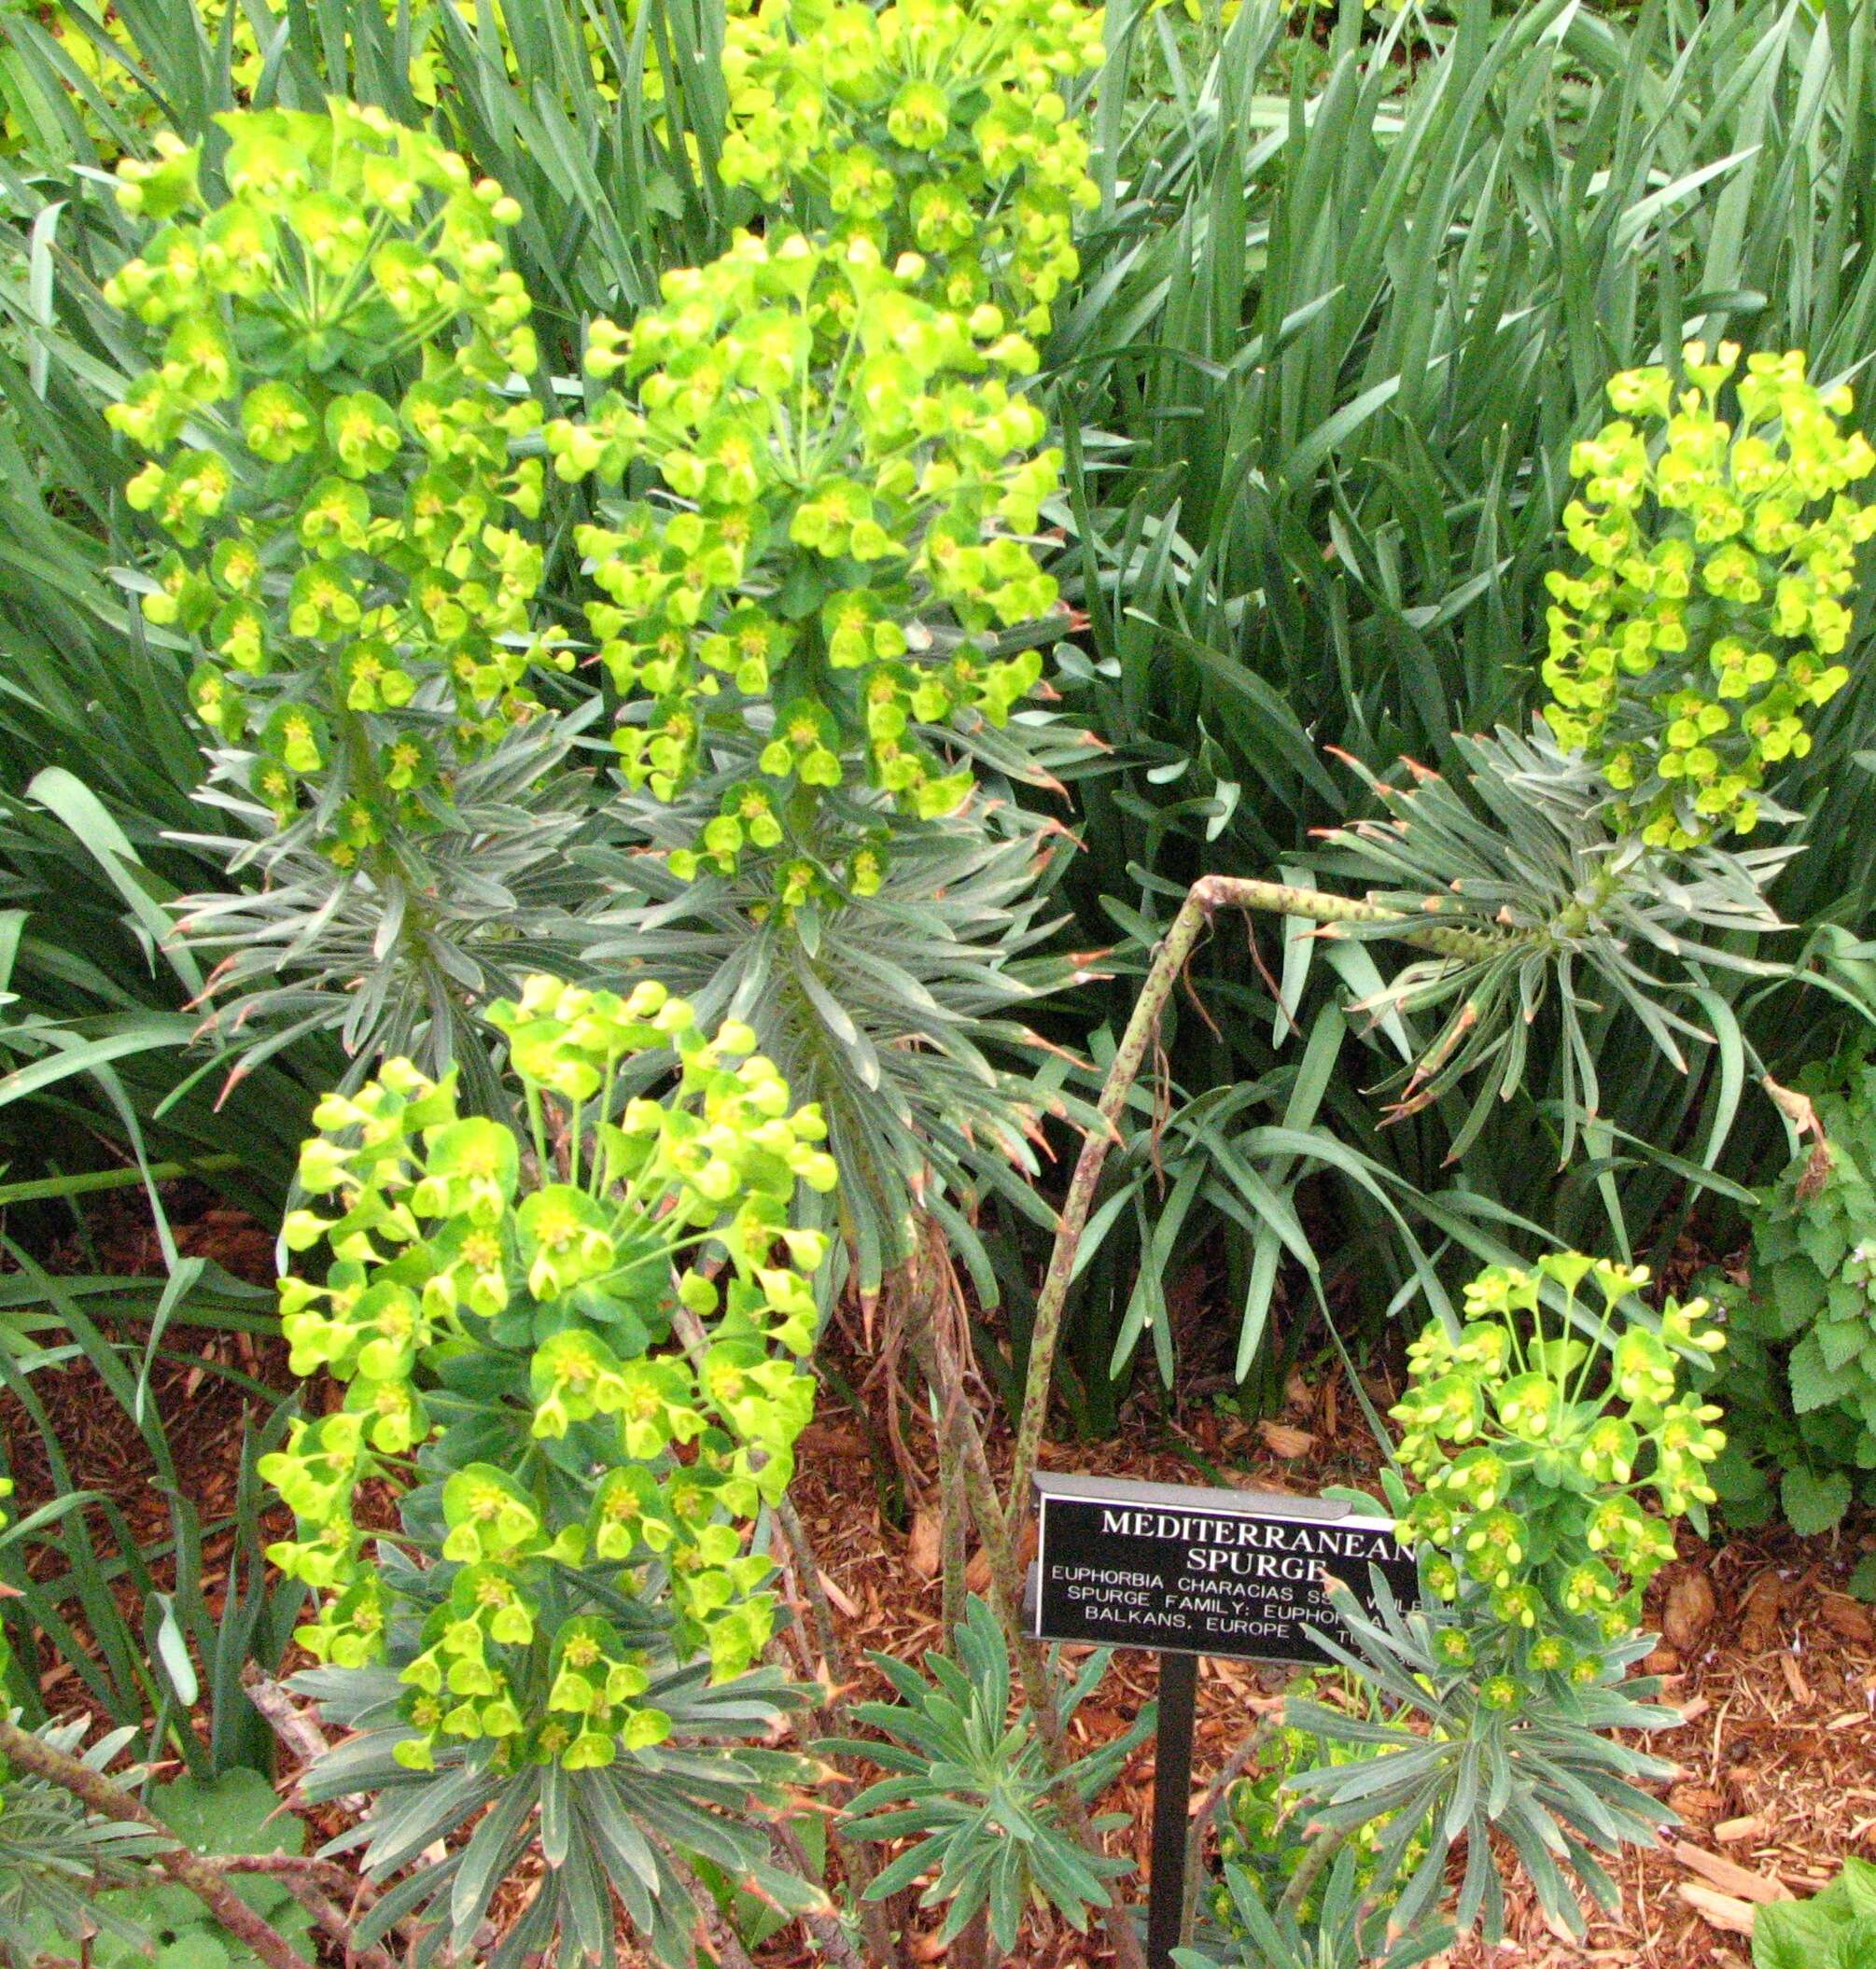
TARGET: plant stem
(337,1924)
(1323,1845)
(807,1568)
(724,1939)
(298,1730)
(972,1949)
(95,1791)
(954,1509)
(854,1861)
(1233,1768)
(830,1938)
(1208,894)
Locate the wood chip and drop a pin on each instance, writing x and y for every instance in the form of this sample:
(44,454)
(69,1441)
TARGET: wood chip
(830,1439)
(1732,1832)
(1689,1609)
(1728,1875)
(1718,1911)
(831,1589)
(1846,1619)
(921,1546)
(1758,1621)
(1559,1928)
(1794,1682)
(1695,1801)
(1283,1441)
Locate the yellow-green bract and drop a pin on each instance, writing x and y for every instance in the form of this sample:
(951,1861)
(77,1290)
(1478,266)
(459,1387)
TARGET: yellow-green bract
(1534,1447)
(591,1341)
(329,429)
(1700,628)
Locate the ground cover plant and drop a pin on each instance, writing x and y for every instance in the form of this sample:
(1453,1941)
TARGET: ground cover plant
(1799,1389)
(1042,709)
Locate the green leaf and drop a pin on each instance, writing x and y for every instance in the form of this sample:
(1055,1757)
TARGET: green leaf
(1814,1383)
(1814,1501)
(173,1650)
(201,1950)
(1858,1884)
(1796,1292)
(1857,1948)
(1796,1935)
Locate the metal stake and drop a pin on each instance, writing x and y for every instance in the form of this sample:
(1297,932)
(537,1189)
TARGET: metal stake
(1171,1804)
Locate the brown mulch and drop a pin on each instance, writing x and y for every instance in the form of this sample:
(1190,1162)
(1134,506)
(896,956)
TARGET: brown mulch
(1771,1664)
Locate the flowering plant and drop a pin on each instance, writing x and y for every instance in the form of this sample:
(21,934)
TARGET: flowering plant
(825,575)
(926,126)
(846,476)
(1535,1449)
(1261,1831)
(595,1415)
(1800,1375)
(1702,623)
(329,428)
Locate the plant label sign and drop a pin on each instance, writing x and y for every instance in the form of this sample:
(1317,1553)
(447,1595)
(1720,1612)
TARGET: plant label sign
(1201,1572)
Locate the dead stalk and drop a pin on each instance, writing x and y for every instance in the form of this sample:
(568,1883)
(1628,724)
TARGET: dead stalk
(1209,894)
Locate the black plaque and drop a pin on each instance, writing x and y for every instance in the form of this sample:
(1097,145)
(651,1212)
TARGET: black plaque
(1202,1572)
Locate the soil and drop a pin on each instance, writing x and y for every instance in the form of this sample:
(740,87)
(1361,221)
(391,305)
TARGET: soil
(1771,1662)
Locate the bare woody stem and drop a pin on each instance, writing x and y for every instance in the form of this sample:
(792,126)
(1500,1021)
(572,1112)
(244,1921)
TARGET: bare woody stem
(830,1938)
(1324,1844)
(1233,1768)
(338,1924)
(855,1863)
(954,1511)
(724,1943)
(95,1791)
(1209,894)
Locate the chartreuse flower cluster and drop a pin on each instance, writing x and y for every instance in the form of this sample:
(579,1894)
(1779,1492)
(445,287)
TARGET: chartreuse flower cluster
(933,127)
(848,475)
(1704,621)
(1537,1447)
(330,429)
(605,1324)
